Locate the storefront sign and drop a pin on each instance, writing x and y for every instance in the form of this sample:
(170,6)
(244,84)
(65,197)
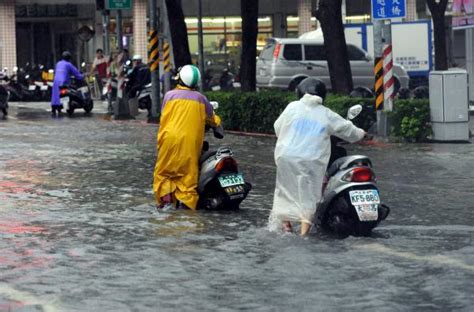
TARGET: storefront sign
(44,10)
(463,14)
(119,4)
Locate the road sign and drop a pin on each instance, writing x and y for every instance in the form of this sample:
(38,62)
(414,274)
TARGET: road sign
(119,4)
(387,9)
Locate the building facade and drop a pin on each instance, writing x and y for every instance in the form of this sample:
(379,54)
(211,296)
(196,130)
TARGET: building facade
(37,31)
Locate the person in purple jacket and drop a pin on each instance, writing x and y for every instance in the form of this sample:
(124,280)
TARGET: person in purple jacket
(62,75)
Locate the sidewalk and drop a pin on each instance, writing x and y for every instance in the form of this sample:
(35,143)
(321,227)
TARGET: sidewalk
(100,107)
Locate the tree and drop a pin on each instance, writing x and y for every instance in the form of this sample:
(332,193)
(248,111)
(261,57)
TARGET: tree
(329,15)
(248,57)
(438,11)
(179,33)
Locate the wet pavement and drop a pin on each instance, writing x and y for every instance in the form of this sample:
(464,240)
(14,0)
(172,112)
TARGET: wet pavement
(79,231)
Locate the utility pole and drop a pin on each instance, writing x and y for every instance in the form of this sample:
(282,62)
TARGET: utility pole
(105,26)
(201,45)
(378,72)
(154,62)
(119,30)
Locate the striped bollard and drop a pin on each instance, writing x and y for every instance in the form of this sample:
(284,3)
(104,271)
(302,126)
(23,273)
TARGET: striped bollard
(388,79)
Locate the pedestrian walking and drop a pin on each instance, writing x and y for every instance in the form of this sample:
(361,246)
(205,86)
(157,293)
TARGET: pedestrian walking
(302,154)
(184,114)
(99,70)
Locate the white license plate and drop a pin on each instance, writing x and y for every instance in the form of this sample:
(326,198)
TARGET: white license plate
(65,100)
(366,203)
(31,87)
(44,88)
(231,180)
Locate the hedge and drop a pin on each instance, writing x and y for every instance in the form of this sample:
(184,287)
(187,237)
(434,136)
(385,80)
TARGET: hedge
(257,111)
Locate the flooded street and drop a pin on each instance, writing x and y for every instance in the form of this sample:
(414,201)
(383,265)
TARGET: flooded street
(79,230)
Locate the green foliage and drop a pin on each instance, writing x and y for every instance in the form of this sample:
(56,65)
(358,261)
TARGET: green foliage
(411,120)
(257,111)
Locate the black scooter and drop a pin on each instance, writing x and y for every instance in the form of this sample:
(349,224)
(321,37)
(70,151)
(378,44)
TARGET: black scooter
(4,95)
(76,95)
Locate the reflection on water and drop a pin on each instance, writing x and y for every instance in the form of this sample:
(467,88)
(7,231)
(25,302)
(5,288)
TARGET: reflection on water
(79,231)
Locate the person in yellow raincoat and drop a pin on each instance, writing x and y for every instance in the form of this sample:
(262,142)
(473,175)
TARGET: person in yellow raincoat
(184,115)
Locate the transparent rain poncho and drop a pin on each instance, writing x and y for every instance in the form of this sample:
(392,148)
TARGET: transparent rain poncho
(302,154)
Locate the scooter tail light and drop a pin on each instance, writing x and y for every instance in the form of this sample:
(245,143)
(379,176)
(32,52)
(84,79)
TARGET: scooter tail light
(63,91)
(226,164)
(359,175)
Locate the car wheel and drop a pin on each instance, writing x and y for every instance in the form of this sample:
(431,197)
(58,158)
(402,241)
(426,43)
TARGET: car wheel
(294,83)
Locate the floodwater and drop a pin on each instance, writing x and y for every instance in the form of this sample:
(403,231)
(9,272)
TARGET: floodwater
(79,232)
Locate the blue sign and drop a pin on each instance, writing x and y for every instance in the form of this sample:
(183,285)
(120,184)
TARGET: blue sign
(387,9)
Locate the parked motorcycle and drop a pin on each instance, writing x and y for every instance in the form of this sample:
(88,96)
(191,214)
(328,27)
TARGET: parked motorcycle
(4,95)
(221,185)
(76,95)
(351,202)
(142,91)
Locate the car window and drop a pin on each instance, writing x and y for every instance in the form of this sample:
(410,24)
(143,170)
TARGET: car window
(292,52)
(267,52)
(314,53)
(355,54)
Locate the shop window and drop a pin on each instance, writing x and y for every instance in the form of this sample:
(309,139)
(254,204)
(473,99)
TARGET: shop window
(222,37)
(292,25)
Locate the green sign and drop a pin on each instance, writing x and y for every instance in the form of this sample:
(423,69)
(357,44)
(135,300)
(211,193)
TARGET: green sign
(119,4)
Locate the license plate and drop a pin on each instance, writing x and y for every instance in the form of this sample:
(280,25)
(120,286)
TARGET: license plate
(44,88)
(231,180)
(366,203)
(65,100)
(31,87)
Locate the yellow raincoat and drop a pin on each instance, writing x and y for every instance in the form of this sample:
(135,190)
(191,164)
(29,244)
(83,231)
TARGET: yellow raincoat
(184,115)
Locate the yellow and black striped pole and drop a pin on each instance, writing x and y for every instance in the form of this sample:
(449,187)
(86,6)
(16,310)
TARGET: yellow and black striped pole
(166,57)
(154,62)
(378,72)
(153,52)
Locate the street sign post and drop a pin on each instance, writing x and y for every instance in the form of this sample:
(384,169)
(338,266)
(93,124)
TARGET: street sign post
(119,4)
(388,9)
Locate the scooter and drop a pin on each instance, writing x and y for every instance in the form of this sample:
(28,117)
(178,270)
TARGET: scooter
(144,98)
(221,185)
(76,95)
(4,95)
(351,203)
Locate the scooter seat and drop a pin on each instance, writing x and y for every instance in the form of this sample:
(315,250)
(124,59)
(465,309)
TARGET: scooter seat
(335,167)
(205,156)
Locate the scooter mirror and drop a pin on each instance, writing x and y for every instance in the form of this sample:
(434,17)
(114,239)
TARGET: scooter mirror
(128,63)
(215,105)
(27,76)
(83,64)
(15,69)
(354,111)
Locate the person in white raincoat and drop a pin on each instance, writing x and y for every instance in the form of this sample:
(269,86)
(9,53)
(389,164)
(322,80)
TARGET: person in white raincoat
(302,154)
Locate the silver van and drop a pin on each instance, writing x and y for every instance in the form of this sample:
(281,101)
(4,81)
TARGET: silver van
(283,63)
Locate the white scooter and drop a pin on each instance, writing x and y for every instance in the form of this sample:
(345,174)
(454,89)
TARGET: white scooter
(351,202)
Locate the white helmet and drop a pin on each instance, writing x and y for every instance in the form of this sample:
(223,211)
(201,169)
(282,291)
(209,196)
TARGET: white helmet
(189,76)
(137,57)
